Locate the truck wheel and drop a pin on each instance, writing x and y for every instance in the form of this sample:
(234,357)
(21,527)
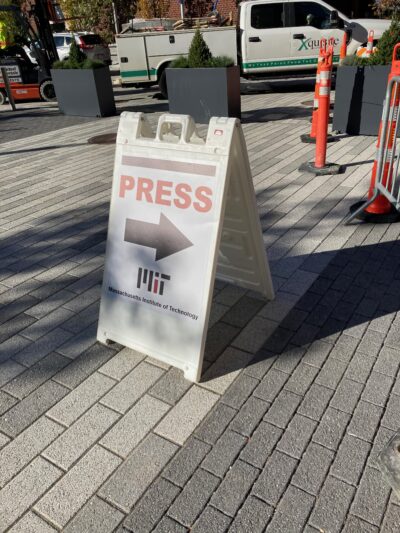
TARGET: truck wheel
(47,92)
(2,97)
(162,84)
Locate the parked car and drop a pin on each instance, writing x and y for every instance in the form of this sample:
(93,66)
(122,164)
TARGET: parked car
(91,45)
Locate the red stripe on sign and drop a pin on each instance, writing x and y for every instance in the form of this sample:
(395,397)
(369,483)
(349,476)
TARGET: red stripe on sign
(173,166)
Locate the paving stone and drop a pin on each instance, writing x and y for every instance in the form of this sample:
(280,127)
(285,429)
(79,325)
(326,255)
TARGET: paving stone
(357,326)
(134,426)
(167,525)
(81,399)
(132,387)
(36,375)
(49,322)
(31,523)
(189,504)
(372,497)
(313,468)
(297,435)
(305,334)
(249,416)
(76,440)
(279,468)
(239,391)
(260,364)
(243,311)
(219,337)
(211,521)
(317,353)
(391,523)
(356,525)
(388,361)
(292,512)
(19,452)
(278,308)
(301,379)
(360,367)
(346,396)
(289,359)
(95,515)
(345,348)
(332,505)
(331,373)
(187,414)
(253,516)
(24,413)
(234,487)
(151,508)
(84,365)
(75,488)
(15,325)
(350,459)
(171,387)
(315,402)
(365,420)
(22,491)
(137,472)
(253,336)
(50,342)
(331,429)
(186,461)
(261,444)
(215,424)
(377,389)
(371,343)
(225,370)
(270,386)
(283,408)
(8,370)
(224,453)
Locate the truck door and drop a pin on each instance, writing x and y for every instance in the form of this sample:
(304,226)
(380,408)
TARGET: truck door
(265,41)
(310,22)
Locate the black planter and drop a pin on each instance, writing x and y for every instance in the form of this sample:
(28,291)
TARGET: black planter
(84,92)
(359,96)
(203,93)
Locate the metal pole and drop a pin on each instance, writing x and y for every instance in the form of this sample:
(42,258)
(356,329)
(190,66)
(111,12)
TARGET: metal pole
(115,17)
(182,13)
(8,88)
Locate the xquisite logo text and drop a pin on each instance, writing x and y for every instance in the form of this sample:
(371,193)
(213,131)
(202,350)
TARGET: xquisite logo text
(312,44)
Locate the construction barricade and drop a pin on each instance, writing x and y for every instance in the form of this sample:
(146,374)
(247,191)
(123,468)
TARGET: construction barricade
(383,203)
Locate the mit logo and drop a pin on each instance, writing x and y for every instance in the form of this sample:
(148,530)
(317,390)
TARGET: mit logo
(154,280)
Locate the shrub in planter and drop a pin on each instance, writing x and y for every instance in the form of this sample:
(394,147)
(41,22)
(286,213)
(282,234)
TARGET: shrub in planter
(203,86)
(83,87)
(361,87)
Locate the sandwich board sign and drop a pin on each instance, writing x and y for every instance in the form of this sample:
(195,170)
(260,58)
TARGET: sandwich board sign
(182,212)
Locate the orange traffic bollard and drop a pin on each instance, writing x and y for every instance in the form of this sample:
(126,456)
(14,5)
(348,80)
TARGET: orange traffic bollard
(343,48)
(311,137)
(370,45)
(320,166)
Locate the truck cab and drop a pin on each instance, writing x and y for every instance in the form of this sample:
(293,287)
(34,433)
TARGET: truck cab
(281,35)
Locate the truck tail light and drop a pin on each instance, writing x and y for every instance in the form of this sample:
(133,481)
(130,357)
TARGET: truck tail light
(85,46)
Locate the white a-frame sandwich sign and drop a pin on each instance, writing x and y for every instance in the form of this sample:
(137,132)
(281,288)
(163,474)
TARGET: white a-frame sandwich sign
(182,212)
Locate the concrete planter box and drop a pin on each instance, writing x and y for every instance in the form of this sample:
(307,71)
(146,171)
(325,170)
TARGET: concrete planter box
(203,93)
(84,92)
(359,96)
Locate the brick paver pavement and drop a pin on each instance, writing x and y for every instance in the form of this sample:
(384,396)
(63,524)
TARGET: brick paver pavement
(298,395)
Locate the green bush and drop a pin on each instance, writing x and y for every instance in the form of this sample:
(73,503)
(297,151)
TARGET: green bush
(200,56)
(77,60)
(384,52)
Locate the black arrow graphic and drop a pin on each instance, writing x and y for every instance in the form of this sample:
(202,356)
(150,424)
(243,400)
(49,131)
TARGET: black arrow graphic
(165,237)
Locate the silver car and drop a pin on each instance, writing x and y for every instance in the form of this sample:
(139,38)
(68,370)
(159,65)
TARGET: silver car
(91,45)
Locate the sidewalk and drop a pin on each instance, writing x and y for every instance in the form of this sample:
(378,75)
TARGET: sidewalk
(298,394)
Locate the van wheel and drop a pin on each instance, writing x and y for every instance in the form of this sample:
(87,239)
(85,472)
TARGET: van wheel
(162,83)
(46,91)
(2,97)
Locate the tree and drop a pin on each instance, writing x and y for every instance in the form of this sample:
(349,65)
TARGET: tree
(387,7)
(96,15)
(148,9)
(197,8)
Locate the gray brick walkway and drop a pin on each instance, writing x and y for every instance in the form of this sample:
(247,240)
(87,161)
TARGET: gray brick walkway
(298,395)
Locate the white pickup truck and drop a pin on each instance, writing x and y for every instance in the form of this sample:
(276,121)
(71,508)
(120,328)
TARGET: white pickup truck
(272,37)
